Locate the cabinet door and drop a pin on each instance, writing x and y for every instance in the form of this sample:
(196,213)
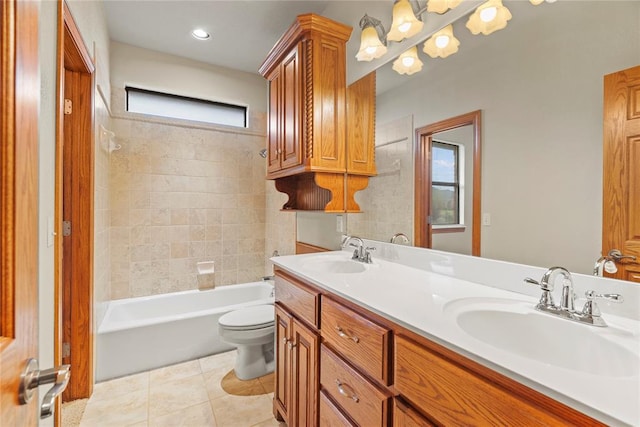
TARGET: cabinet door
(275,124)
(305,375)
(405,416)
(291,141)
(282,392)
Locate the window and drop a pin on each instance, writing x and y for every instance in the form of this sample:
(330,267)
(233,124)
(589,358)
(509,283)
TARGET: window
(446,200)
(182,107)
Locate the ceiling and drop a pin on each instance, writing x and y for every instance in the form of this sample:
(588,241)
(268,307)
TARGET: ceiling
(243,32)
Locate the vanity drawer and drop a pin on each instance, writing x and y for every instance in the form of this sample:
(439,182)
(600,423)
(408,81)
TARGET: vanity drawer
(365,403)
(406,416)
(452,395)
(362,342)
(330,415)
(299,298)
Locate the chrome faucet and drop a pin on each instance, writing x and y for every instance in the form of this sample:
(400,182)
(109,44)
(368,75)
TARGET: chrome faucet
(590,314)
(403,238)
(361,253)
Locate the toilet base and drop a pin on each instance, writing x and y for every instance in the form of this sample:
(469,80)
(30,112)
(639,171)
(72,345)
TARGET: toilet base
(253,361)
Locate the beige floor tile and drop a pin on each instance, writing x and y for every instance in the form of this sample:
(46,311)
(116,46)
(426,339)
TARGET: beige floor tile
(271,422)
(213,383)
(236,411)
(119,410)
(174,372)
(121,386)
(222,361)
(200,415)
(172,396)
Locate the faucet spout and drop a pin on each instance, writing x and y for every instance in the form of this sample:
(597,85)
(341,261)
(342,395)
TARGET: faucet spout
(567,301)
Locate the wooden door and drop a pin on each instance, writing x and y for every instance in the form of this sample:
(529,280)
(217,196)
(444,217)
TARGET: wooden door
(20,86)
(621,170)
(305,375)
(282,392)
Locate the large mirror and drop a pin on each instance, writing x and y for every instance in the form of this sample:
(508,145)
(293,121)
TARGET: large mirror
(539,85)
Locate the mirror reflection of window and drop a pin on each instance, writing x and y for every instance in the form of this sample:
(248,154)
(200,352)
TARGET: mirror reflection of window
(446,191)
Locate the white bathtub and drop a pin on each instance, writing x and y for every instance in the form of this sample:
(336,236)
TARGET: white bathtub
(139,334)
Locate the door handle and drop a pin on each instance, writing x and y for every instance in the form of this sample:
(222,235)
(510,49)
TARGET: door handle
(617,256)
(32,377)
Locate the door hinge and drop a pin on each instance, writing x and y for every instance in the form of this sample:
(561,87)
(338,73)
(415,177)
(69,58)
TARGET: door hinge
(66,228)
(68,106)
(66,349)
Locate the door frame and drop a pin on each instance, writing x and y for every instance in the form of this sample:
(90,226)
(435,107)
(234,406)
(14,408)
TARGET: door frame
(422,229)
(74,132)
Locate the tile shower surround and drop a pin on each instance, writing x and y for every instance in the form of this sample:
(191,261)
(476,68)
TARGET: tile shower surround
(180,195)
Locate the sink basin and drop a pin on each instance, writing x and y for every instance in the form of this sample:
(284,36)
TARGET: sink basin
(516,327)
(333,264)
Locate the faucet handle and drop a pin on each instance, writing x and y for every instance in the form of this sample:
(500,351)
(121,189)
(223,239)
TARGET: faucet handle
(591,309)
(543,286)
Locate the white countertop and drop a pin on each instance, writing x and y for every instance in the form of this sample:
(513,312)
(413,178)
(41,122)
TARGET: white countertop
(425,302)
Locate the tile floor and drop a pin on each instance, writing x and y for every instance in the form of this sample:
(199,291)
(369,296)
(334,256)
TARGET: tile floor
(189,394)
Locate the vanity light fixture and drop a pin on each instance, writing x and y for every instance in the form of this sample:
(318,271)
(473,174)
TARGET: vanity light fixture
(441,6)
(408,63)
(441,44)
(200,34)
(405,23)
(537,2)
(372,40)
(489,17)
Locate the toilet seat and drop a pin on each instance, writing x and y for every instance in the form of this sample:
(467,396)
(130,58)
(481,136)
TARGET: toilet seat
(250,318)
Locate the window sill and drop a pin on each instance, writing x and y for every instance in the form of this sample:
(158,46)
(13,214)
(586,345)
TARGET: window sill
(441,229)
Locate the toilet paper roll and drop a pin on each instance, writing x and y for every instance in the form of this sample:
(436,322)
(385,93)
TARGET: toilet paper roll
(205,267)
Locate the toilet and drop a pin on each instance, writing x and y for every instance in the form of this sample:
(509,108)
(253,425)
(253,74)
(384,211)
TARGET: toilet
(252,331)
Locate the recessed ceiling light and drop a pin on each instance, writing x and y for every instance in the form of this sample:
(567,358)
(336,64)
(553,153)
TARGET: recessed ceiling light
(200,34)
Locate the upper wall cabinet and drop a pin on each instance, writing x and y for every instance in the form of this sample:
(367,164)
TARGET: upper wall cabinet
(307,142)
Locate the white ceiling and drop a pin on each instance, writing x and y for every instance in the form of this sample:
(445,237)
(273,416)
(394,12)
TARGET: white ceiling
(243,32)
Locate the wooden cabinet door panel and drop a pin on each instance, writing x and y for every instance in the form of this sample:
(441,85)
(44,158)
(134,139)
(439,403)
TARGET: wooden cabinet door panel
(305,373)
(275,124)
(291,103)
(405,416)
(282,390)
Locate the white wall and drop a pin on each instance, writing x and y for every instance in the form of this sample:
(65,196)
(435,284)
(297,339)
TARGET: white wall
(539,85)
(162,72)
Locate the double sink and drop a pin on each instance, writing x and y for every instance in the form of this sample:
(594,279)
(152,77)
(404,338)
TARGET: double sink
(513,325)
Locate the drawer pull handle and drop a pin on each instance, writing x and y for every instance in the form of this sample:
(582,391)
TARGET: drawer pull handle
(344,335)
(342,391)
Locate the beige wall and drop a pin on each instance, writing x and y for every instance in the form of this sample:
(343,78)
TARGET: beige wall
(182,195)
(280,226)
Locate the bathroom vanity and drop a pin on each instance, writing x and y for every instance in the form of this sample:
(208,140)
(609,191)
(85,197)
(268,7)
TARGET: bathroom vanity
(414,342)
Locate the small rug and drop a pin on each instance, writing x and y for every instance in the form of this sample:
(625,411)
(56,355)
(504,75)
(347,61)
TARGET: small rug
(262,385)
(72,412)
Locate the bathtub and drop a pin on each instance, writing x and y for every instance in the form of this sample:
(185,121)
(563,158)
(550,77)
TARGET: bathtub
(139,334)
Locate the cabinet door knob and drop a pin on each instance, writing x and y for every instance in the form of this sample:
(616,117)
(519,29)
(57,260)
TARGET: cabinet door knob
(342,390)
(341,332)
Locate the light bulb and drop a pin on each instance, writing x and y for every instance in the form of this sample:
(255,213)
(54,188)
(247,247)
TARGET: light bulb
(200,34)
(488,14)
(442,41)
(403,28)
(408,61)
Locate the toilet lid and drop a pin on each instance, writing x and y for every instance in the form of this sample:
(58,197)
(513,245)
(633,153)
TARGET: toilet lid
(254,317)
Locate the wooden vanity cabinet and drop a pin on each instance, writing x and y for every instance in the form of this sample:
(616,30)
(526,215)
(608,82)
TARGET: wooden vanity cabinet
(295,398)
(340,364)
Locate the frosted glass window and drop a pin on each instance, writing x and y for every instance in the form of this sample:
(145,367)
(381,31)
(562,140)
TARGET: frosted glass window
(182,107)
